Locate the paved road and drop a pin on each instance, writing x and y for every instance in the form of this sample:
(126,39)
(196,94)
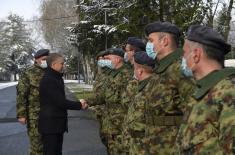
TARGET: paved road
(82,138)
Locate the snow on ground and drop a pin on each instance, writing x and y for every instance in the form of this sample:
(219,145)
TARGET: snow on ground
(7,84)
(71,83)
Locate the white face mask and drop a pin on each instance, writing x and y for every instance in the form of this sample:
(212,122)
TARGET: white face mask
(43,64)
(184,67)
(126,59)
(150,50)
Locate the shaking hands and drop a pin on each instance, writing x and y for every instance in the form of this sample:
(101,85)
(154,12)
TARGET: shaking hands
(84,104)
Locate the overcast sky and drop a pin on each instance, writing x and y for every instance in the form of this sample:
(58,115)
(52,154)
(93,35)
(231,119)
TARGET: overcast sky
(25,8)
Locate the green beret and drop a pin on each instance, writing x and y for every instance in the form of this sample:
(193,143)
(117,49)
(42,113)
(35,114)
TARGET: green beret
(136,42)
(142,58)
(101,54)
(207,36)
(116,51)
(162,27)
(41,52)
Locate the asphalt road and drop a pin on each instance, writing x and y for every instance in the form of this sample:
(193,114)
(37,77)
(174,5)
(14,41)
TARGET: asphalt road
(82,138)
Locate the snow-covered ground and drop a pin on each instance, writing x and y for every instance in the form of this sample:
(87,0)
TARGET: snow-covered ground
(70,82)
(73,81)
(7,84)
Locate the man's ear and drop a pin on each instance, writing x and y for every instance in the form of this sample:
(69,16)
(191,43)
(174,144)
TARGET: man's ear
(165,40)
(140,71)
(197,54)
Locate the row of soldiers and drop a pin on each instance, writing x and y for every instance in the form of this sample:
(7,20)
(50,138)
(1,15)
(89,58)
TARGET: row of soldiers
(160,99)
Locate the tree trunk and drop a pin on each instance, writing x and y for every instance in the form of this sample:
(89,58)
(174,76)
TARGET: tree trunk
(79,54)
(228,19)
(88,70)
(85,69)
(211,14)
(15,78)
(161,10)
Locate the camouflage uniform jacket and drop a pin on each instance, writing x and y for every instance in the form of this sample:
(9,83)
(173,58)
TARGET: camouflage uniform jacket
(210,123)
(97,100)
(28,104)
(134,122)
(166,102)
(115,111)
(131,88)
(99,87)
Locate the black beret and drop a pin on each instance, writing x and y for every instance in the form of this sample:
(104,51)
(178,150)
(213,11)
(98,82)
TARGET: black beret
(41,52)
(136,42)
(162,27)
(142,58)
(207,36)
(101,54)
(116,51)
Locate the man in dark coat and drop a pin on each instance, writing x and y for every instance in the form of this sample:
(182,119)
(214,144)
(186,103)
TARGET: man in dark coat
(53,121)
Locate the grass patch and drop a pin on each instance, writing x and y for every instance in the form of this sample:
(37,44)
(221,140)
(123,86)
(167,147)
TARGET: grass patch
(83,94)
(80,91)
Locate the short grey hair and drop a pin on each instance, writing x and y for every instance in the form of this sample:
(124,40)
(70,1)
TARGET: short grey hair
(53,57)
(211,52)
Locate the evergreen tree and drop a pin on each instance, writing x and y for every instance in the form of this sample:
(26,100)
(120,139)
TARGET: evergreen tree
(16,44)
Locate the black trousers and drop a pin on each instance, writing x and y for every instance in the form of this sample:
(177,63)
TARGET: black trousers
(52,144)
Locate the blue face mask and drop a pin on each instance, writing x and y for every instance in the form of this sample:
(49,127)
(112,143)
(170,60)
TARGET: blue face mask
(105,63)
(184,68)
(150,50)
(43,64)
(101,63)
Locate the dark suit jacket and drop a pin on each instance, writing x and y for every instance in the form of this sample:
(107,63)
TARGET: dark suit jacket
(53,104)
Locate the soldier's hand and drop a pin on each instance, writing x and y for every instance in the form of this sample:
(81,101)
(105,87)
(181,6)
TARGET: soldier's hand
(84,106)
(84,103)
(22,120)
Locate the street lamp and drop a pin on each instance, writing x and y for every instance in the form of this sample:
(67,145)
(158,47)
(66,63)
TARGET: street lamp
(105,22)
(106,7)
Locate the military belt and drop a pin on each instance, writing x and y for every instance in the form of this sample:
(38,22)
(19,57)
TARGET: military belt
(168,120)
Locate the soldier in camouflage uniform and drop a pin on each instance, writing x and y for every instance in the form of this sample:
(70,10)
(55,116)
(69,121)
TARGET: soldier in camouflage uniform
(210,121)
(115,112)
(28,104)
(133,45)
(169,94)
(134,122)
(97,100)
(101,70)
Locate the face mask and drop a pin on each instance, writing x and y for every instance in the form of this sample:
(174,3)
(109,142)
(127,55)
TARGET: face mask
(43,64)
(150,50)
(184,68)
(107,63)
(101,63)
(126,57)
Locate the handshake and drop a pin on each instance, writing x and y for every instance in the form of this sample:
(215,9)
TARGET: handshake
(84,104)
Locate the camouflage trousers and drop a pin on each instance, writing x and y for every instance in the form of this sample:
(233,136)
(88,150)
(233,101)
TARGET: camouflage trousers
(161,140)
(115,145)
(35,140)
(99,116)
(137,147)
